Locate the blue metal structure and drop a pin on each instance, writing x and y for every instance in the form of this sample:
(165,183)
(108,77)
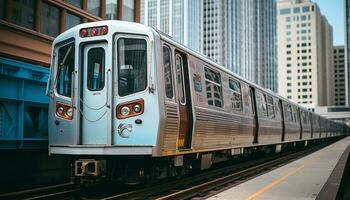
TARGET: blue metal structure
(23,105)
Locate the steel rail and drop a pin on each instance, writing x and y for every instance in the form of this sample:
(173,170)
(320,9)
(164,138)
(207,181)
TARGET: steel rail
(27,194)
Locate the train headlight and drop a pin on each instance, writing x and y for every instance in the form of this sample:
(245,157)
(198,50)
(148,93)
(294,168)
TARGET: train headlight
(64,111)
(124,130)
(125,110)
(137,108)
(60,110)
(69,112)
(130,109)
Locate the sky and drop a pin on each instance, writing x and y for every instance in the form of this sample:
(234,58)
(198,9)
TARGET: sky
(334,12)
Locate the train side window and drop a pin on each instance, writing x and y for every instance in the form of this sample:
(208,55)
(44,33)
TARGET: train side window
(213,88)
(262,104)
(288,113)
(295,114)
(270,107)
(168,78)
(236,98)
(180,80)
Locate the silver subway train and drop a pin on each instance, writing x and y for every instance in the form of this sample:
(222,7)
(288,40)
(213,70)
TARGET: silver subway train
(127,101)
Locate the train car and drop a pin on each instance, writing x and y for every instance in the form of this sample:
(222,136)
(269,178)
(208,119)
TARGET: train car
(128,102)
(291,121)
(316,128)
(305,119)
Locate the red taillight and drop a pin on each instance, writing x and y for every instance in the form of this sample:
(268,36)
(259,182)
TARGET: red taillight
(83,33)
(93,31)
(104,30)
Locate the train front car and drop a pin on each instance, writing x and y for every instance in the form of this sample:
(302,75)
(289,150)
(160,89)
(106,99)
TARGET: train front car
(101,88)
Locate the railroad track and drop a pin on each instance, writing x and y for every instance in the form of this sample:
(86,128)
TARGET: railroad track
(211,182)
(201,185)
(42,192)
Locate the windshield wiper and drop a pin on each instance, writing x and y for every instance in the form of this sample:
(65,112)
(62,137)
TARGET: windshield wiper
(62,65)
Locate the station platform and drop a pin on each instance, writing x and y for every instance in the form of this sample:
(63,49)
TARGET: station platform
(316,176)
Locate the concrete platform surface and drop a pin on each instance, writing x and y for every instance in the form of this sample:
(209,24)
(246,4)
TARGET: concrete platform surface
(300,179)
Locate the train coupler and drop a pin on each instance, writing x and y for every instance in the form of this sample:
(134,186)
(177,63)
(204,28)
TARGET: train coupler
(90,167)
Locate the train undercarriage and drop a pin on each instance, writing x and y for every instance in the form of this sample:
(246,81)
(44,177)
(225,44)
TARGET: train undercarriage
(135,170)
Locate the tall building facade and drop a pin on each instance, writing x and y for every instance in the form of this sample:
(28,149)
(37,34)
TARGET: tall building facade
(347,49)
(339,76)
(305,66)
(240,35)
(180,19)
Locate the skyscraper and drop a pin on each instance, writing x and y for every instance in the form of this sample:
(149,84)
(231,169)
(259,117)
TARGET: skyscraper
(305,68)
(347,49)
(181,19)
(339,76)
(238,34)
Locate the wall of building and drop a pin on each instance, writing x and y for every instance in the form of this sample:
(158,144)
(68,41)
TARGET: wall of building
(305,67)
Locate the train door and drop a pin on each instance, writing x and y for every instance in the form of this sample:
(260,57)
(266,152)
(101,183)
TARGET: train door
(95,112)
(282,118)
(255,115)
(184,139)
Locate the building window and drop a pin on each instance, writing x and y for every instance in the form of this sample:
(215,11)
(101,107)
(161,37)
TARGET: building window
(213,87)
(236,98)
(285,11)
(94,7)
(306,9)
(128,10)
(72,20)
(2,9)
(288,19)
(111,9)
(76,3)
(296,10)
(303,18)
(50,20)
(23,13)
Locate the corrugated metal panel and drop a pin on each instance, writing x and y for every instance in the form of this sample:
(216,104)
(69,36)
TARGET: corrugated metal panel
(23,105)
(171,128)
(215,129)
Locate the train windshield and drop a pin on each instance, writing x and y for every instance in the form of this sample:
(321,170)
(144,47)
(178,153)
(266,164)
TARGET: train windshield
(132,65)
(64,70)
